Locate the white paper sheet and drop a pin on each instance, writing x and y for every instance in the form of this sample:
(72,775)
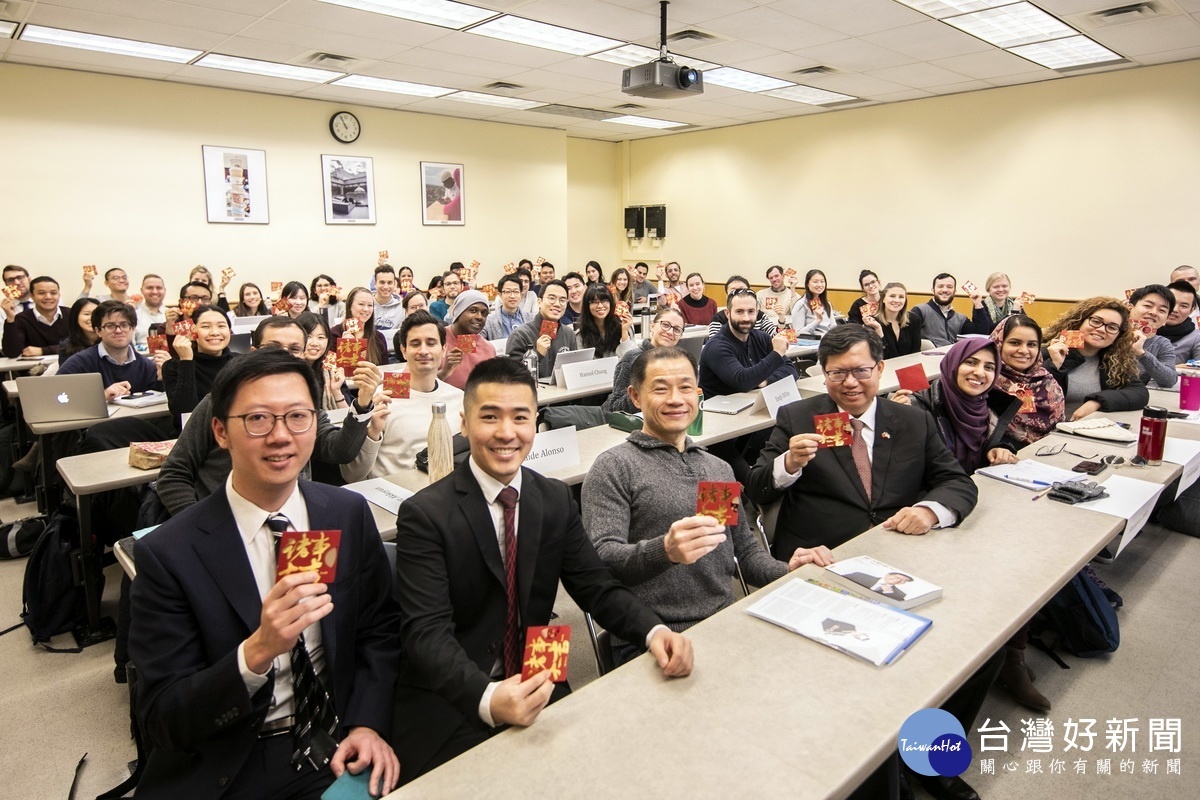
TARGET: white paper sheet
(1129,499)
(1187,454)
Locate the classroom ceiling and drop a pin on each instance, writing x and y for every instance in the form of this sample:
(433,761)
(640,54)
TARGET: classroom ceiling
(874,51)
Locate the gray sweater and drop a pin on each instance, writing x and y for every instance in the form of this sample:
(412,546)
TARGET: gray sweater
(1158,363)
(619,399)
(631,497)
(196,467)
(526,336)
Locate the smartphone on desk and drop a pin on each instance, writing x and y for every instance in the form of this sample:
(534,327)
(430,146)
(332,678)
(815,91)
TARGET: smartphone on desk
(1089,467)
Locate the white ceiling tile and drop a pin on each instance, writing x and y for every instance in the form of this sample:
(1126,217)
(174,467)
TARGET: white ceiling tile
(342,44)
(258,49)
(557,96)
(761,102)
(326,17)
(356,97)
(772,28)
(690,12)
(853,84)
(779,64)
(1168,56)
(985,65)
(959,88)
(928,40)
(1063,8)
(255,8)
(918,76)
(414,74)
(590,68)
(856,55)
(852,17)
(554,80)
(477,46)
(452,108)
(181,15)
(1191,6)
(85,21)
(899,97)
(730,54)
(460,65)
(593,16)
(238,80)
(1150,36)
(1037,74)
(44,55)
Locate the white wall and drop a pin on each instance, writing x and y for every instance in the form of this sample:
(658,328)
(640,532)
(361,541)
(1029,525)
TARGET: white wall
(593,205)
(107,170)
(1075,186)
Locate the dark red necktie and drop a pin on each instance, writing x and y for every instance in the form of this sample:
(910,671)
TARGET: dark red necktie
(512,632)
(858,450)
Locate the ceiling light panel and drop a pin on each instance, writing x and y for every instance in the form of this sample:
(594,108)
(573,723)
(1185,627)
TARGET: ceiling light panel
(1017,24)
(107,44)
(540,34)
(732,78)
(395,87)
(268,68)
(647,122)
(6,29)
(494,100)
(810,95)
(634,55)
(1076,51)
(949,8)
(444,13)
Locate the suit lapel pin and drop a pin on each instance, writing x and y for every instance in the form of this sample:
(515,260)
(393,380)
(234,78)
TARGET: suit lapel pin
(885,435)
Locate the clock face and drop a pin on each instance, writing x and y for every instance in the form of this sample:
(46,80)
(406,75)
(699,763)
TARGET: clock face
(344,126)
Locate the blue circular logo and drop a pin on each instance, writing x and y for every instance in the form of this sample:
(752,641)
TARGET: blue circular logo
(933,742)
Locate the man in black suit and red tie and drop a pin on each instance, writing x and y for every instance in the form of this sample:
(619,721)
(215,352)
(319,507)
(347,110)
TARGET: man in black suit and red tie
(252,686)
(479,556)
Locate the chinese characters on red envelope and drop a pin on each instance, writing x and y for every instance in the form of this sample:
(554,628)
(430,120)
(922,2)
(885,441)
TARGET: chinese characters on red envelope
(1073,339)
(467,342)
(350,352)
(399,384)
(720,500)
(547,648)
(549,328)
(157,343)
(308,551)
(186,328)
(835,428)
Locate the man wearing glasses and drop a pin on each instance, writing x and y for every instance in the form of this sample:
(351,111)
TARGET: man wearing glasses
(508,316)
(124,370)
(530,336)
(255,684)
(197,467)
(832,494)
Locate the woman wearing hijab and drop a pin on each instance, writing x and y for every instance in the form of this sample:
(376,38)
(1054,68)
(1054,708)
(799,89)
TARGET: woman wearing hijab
(1024,375)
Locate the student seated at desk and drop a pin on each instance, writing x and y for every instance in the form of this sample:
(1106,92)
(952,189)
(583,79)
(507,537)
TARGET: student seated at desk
(937,320)
(80,333)
(641,287)
(665,331)
(576,287)
(250,302)
(812,315)
(639,508)
(762,322)
(466,317)
(330,382)
(550,309)
(1150,306)
(696,307)
(464,614)
(740,358)
(779,297)
(123,369)
(601,327)
(400,428)
(900,334)
(1023,374)
(189,377)
(1180,329)
(868,281)
(1102,375)
(197,467)
(507,316)
(37,331)
(360,305)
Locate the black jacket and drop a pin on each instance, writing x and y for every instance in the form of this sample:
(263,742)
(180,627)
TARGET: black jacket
(1004,405)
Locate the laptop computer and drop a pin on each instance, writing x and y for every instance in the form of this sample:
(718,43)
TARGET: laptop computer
(728,404)
(62,398)
(568,357)
(693,344)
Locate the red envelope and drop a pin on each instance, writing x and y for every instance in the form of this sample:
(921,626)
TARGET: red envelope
(330,361)
(719,499)
(622,308)
(789,277)
(871,309)
(280,306)
(350,352)
(186,328)
(1027,298)
(308,551)
(668,299)
(769,302)
(968,287)
(186,307)
(912,378)
(546,648)
(11,291)
(467,343)
(1025,393)
(660,271)
(1074,339)
(276,287)
(1148,329)
(228,273)
(490,290)
(352,326)
(136,298)
(398,383)
(157,342)
(815,305)
(790,335)
(537,262)
(510,268)
(549,328)
(383,257)
(475,265)
(1129,293)
(835,428)
(89,270)
(405,284)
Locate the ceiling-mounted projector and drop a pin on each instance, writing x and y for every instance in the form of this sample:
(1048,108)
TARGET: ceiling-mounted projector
(662,77)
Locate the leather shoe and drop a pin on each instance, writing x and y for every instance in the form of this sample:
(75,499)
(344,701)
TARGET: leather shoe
(947,788)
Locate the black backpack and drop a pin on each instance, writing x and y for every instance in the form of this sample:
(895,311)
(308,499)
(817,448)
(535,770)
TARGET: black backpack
(1081,619)
(53,597)
(18,538)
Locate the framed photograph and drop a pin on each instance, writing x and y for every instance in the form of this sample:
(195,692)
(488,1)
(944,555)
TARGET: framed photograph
(443,201)
(235,184)
(348,183)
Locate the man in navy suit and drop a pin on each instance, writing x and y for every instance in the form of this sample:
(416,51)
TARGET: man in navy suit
(213,632)
(464,615)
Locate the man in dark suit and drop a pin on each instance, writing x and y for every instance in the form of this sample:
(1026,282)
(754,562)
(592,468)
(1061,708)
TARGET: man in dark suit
(233,663)
(464,615)
(898,472)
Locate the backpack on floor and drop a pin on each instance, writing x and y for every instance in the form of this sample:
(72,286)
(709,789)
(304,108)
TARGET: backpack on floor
(1081,619)
(18,538)
(53,598)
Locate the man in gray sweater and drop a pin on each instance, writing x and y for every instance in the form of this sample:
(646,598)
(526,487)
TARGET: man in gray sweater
(196,466)
(1150,307)
(639,507)
(550,309)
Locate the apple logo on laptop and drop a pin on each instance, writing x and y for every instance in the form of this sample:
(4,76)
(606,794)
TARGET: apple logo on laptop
(63,398)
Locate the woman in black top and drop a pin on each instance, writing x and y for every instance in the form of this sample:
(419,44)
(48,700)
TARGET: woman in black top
(892,323)
(80,334)
(189,376)
(869,283)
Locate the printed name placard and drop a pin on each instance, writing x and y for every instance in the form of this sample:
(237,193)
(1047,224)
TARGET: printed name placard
(1186,453)
(553,450)
(382,493)
(585,374)
(778,394)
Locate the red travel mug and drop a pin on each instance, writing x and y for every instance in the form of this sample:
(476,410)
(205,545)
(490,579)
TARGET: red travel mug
(1152,435)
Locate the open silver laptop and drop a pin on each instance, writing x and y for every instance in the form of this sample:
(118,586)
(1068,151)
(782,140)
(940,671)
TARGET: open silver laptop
(569,357)
(63,398)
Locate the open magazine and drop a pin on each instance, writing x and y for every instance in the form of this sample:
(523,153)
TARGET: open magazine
(837,618)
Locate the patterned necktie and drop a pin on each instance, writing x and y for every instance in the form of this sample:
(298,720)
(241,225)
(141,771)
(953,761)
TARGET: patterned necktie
(512,632)
(315,731)
(858,450)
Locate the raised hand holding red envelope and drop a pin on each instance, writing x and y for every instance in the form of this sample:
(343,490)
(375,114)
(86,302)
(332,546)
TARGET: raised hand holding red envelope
(1073,339)
(398,384)
(912,378)
(308,551)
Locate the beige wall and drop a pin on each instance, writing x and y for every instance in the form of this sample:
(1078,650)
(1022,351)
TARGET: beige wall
(107,170)
(593,205)
(1074,187)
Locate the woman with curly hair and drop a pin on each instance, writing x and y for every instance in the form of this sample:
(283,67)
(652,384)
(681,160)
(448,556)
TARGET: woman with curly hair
(1102,374)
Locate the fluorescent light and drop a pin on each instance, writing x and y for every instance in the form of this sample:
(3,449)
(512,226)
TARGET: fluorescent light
(395,87)
(7,28)
(445,13)
(732,78)
(634,55)
(268,68)
(1062,53)
(1020,23)
(494,100)
(106,44)
(539,34)
(810,95)
(646,122)
(948,8)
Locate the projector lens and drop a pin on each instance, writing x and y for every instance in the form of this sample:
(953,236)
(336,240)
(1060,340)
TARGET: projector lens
(687,77)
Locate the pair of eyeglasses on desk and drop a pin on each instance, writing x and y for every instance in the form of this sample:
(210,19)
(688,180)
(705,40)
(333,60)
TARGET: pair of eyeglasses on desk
(1112,461)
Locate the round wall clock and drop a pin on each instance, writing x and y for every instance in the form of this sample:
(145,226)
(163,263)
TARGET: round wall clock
(345,127)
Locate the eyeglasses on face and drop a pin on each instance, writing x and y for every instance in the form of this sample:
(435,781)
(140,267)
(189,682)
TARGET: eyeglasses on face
(298,420)
(859,373)
(116,326)
(1109,327)
(667,327)
(295,349)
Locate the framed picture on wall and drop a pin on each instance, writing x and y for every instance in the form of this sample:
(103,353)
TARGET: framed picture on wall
(348,183)
(235,184)
(443,200)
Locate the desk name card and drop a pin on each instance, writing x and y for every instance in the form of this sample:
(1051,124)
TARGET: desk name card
(553,450)
(585,374)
